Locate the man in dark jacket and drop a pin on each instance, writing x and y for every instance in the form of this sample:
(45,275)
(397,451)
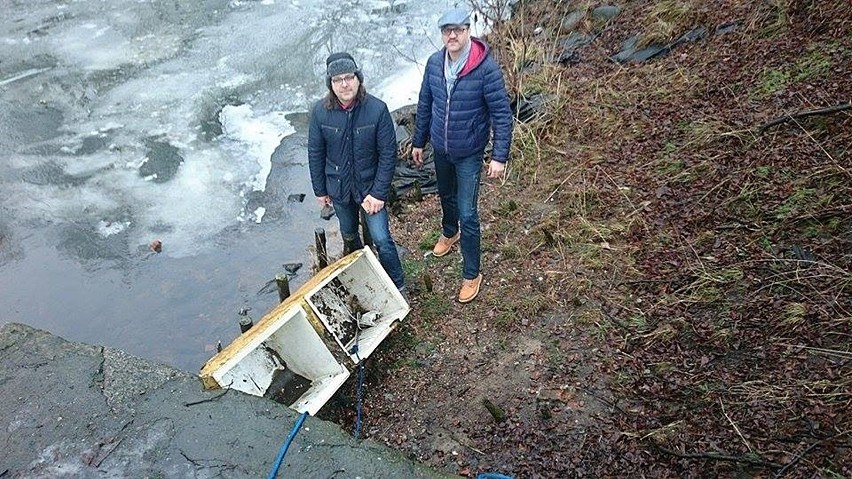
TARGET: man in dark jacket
(462,99)
(352,158)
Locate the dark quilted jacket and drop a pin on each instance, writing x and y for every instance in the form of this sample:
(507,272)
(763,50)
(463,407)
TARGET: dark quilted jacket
(363,166)
(461,126)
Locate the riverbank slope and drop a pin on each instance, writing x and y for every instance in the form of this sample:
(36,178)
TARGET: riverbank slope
(667,269)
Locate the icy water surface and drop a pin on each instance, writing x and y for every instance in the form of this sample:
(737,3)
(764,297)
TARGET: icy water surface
(124,122)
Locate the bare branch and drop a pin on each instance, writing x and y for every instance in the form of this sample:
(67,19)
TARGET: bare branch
(805,113)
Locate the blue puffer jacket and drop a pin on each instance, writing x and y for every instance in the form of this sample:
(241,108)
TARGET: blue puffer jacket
(352,154)
(461,124)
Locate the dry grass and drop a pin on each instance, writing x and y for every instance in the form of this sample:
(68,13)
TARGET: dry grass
(666,20)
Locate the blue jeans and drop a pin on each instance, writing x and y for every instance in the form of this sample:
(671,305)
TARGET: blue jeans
(458,187)
(377,224)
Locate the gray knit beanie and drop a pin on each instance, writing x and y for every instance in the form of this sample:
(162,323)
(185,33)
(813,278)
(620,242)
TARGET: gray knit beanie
(340,63)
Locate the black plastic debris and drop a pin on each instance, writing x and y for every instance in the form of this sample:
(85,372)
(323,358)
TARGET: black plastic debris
(802,254)
(569,58)
(327,212)
(296,198)
(423,179)
(526,109)
(727,28)
(631,53)
(410,180)
(291,268)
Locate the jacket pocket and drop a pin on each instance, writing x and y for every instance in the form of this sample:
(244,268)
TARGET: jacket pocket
(366,129)
(331,133)
(364,142)
(365,135)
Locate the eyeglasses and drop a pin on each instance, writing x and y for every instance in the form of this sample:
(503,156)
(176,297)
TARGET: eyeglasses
(341,79)
(458,30)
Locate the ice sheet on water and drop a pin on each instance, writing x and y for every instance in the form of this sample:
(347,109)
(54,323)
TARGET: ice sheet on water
(253,138)
(160,71)
(96,45)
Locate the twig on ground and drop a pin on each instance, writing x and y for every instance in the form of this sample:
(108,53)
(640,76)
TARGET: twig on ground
(97,463)
(194,403)
(805,113)
(113,448)
(829,352)
(560,186)
(735,426)
(719,457)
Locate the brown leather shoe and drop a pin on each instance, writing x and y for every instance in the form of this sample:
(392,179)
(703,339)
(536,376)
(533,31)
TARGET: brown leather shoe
(469,289)
(444,244)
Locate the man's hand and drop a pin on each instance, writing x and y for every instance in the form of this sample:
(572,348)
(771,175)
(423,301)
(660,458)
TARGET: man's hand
(372,205)
(417,156)
(324,200)
(496,169)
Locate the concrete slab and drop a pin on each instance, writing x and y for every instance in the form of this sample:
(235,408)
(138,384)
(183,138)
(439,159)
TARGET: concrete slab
(75,410)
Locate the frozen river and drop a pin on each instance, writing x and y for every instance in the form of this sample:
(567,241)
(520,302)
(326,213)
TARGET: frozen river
(124,122)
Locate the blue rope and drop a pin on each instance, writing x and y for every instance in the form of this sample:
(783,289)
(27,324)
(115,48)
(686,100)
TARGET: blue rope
(359,392)
(286,445)
(492,475)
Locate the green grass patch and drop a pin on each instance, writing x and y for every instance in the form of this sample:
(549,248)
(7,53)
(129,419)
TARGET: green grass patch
(763,171)
(506,207)
(528,307)
(770,18)
(428,241)
(638,322)
(747,204)
(813,64)
(662,368)
(434,307)
(713,286)
(413,269)
(510,251)
(669,167)
(505,318)
(772,81)
(801,199)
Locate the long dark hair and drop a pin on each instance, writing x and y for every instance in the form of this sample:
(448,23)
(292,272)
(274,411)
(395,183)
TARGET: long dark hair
(330,101)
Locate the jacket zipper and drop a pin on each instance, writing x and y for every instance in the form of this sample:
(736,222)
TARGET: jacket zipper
(447,125)
(447,116)
(447,113)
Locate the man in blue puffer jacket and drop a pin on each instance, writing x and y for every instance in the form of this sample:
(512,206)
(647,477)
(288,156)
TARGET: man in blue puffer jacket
(352,158)
(462,99)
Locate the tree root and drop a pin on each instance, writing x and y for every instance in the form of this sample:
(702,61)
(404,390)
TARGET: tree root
(803,114)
